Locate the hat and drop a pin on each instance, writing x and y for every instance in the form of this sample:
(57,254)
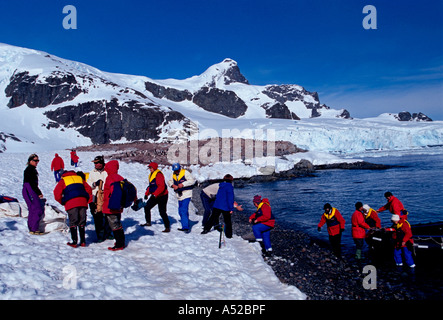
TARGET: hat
(366,209)
(99,159)
(395,217)
(327,206)
(153,165)
(257,199)
(176,167)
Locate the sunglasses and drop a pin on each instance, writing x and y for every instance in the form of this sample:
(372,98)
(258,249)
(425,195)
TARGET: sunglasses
(35,160)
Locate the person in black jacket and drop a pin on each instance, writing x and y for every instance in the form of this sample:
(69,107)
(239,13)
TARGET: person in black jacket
(32,195)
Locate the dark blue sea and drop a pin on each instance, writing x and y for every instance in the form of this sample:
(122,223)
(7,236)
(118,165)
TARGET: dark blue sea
(417,180)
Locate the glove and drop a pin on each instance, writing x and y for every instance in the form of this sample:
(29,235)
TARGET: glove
(318,229)
(97,183)
(146,197)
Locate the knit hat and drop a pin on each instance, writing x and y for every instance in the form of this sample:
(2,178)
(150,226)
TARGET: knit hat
(366,208)
(99,159)
(257,199)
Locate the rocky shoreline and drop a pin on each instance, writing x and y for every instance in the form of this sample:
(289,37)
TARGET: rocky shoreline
(307,263)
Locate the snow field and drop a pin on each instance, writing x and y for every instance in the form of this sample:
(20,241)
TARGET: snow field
(154,266)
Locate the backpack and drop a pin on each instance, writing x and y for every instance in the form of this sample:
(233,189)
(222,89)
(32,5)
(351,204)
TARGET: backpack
(123,195)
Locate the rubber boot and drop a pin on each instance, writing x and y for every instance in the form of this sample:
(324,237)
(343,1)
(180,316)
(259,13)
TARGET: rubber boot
(262,246)
(119,236)
(74,237)
(81,231)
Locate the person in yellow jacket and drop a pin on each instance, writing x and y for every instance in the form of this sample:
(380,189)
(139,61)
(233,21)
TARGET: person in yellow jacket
(182,182)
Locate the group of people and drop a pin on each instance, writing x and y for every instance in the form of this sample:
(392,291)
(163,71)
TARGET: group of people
(77,192)
(218,199)
(58,165)
(365,219)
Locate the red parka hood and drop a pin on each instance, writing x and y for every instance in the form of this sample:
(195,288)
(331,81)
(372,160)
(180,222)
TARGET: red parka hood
(112,167)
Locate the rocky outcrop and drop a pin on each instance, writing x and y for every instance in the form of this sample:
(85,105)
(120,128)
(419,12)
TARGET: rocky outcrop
(219,101)
(40,92)
(285,93)
(106,121)
(280,111)
(407,116)
(233,74)
(4,137)
(169,93)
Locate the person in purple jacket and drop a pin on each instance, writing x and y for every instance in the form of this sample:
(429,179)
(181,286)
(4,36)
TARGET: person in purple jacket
(32,195)
(224,204)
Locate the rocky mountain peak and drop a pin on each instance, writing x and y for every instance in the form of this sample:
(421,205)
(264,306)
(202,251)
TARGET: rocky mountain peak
(224,73)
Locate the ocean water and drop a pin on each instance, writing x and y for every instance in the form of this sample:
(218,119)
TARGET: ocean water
(417,181)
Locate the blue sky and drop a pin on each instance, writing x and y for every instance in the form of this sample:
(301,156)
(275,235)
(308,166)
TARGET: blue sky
(320,45)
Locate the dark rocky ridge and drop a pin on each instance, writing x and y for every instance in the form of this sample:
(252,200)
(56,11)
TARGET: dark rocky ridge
(219,101)
(105,121)
(40,93)
(407,116)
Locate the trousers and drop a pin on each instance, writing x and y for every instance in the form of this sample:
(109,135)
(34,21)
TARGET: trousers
(162,202)
(183,211)
(214,219)
(407,255)
(262,232)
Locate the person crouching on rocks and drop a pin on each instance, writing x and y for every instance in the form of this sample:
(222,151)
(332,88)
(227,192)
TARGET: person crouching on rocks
(263,222)
(402,242)
(336,225)
(74,193)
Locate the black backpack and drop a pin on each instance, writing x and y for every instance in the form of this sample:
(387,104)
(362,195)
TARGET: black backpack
(123,195)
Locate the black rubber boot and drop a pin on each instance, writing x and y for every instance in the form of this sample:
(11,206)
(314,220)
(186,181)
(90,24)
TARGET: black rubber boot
(74,237)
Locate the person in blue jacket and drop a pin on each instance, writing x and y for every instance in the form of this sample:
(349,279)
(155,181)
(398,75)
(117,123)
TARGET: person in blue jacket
(224,204)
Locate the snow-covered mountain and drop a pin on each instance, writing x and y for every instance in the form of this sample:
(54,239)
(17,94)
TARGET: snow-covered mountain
(46,101)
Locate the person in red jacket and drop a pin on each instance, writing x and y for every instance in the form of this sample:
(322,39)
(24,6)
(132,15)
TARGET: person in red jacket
(158,191)
(263,222)
(113,215)
(57,165)
(358,229)
(336,225)
(394,206)
(74,193)
(74,158)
